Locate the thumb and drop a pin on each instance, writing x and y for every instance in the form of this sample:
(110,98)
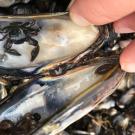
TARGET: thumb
(99,12)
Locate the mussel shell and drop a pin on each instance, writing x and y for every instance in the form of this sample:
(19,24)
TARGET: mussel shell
(61,97)
(49,94)
(43,6)
(80,106)
(7,3)
(33,16)
(22,9)
(58,39)
(51,5)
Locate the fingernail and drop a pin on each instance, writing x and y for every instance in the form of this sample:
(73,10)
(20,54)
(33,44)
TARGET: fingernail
(70,4)
(79,19)
(123,30)
(124,44)
(128,67)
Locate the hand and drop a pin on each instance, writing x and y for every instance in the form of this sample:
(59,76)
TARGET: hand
(98,12)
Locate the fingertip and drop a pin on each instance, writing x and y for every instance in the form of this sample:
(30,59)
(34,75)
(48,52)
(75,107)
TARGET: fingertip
(76,14)
(81,14)
(130,68)
(127,66)
(127,58)
(126,24)
(78,19)
(99,12)
(123,29)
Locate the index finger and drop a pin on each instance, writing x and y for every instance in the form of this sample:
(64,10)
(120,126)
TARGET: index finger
(100,12)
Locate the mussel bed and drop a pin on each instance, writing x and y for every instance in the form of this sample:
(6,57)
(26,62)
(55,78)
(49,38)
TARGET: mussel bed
(114,116)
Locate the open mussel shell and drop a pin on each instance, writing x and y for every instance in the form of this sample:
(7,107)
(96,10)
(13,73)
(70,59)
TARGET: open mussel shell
(61,100)
(82,104)
(68,80)
(42,39)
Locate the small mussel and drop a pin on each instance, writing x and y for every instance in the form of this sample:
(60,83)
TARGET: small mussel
(7,3)
(22,9)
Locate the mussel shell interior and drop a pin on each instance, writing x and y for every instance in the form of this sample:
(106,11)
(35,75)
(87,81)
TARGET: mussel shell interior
(57,38)
(46,96)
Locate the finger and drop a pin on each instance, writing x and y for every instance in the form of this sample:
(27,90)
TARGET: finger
(126,24)
(127,58)
(100,11)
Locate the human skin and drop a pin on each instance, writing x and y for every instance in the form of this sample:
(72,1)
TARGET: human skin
(99,12)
